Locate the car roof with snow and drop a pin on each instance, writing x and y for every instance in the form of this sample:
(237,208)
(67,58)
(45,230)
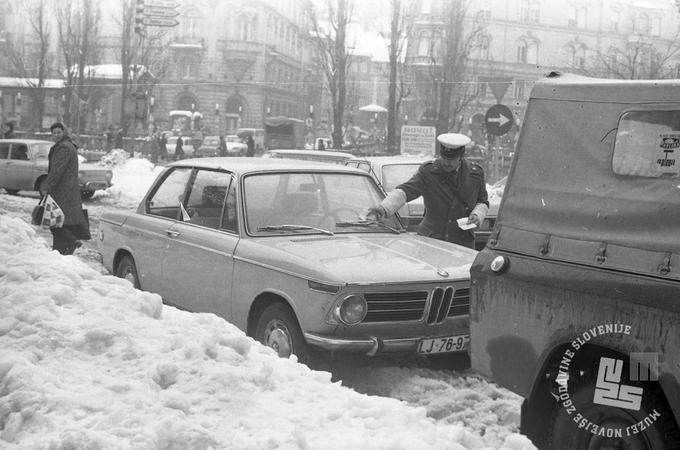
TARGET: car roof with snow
(242,165)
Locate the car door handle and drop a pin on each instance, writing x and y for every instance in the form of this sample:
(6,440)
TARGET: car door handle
(172,233)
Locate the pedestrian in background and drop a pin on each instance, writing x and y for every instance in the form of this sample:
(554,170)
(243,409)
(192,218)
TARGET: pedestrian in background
(62,185)
(179,149)
(118,142)
(250,142)
(162,144)
(8,130)
(451,187)
(223,146)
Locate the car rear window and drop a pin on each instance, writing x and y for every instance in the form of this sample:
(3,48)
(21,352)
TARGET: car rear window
(648,144)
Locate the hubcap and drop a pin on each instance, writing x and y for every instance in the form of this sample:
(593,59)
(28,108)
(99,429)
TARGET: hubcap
(276,336)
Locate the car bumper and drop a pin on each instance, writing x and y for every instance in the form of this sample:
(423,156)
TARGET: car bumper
(370,347)
(94,186)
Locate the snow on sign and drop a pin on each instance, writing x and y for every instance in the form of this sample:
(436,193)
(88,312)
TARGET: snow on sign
(667,153)
(417,140)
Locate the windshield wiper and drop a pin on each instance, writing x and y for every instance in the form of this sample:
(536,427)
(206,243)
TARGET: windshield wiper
(293,228)
(366,223)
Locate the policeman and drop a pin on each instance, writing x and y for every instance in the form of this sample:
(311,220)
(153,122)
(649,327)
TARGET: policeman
(451,187)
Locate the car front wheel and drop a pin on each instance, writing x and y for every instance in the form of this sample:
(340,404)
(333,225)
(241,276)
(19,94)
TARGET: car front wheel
(128,271)
(278,328)
(12,191)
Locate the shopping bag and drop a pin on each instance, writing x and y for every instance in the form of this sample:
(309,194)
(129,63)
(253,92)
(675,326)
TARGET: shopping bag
(37,213)
(53,217)
(82,230)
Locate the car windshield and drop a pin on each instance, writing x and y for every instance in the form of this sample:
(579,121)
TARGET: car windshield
(311,202)
(395,174)
(41,150)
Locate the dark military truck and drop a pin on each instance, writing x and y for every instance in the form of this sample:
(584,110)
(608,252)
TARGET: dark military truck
(575,300)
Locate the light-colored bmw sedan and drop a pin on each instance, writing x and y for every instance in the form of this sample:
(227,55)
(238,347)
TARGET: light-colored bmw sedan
(283,250)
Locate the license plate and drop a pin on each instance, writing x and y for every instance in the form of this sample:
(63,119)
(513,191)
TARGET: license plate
(444,344)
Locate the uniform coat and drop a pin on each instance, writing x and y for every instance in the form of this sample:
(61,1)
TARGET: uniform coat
(62,180)
(447,196)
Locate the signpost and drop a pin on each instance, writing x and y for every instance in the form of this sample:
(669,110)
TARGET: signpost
(498,120)
(155,13)
(416,140)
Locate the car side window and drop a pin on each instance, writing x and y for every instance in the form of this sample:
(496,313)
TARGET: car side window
(4,151)
(647,144)
(167,199)
(20,152)
(206,197)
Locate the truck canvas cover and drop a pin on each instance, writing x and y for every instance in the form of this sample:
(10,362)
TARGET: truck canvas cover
(608,194)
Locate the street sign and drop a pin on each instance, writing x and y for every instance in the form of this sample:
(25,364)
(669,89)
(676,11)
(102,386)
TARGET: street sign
(159,22)
(498,120)
(159,12)
(161,3)
(416,140)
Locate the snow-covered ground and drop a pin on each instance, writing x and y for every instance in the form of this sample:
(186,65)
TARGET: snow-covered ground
(87,361)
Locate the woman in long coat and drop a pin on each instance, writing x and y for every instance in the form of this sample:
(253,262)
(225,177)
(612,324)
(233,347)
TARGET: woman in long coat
(62,185)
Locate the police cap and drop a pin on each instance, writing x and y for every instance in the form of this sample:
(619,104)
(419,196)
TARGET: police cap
(452,144)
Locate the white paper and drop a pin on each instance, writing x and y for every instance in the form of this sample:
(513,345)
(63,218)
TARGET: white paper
(463,225)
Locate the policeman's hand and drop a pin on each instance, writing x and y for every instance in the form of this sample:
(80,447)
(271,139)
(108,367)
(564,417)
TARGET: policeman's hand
(474,219)
(377,212)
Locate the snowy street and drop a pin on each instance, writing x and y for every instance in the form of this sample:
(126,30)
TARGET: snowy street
(87,361)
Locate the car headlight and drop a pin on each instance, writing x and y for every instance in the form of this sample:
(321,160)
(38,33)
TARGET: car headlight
(351,310)
(109,176)
(80,177)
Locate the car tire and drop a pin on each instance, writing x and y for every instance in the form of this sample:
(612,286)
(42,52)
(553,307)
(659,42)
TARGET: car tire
(278,328)
(86,195)
(12,191)
(566,434)
(128,270)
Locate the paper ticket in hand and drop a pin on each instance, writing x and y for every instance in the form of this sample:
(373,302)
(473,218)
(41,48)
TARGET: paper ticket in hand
(464,225)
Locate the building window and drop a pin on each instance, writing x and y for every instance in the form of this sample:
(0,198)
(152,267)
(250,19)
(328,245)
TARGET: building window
(532,53)
(615,19)
(481,89)
(524,11)
(522,52)
(577,17)
(423,45)
(519,89)
(579,57)
(656,26)
(534,11)
(642,24)
(484,42)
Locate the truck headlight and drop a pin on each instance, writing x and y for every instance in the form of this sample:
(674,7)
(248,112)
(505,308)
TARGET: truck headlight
(351,310)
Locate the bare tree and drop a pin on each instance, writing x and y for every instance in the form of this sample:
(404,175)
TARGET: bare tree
(639,58)
(77,25)
(401,23)
(449,66)
(33,68)
(335,60)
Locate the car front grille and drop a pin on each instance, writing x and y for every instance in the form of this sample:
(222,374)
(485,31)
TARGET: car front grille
(414,306)
(460,304)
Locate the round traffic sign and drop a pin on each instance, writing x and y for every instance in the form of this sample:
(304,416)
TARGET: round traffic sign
(498,120)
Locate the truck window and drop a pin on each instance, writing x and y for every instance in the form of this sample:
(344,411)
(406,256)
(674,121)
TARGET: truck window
(648,144)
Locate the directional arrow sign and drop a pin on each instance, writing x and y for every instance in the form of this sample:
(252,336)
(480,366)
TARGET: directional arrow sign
(498,120)
(161,3)
(159,22)
(160,12)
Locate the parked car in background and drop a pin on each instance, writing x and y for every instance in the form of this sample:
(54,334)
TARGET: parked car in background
(282,249)
(235,146)
(209,147)
(311,155)
(390,171)
(23,167)
(187,146)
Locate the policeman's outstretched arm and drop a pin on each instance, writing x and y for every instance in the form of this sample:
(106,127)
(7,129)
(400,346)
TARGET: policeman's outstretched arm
(390,204)
(478,214)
